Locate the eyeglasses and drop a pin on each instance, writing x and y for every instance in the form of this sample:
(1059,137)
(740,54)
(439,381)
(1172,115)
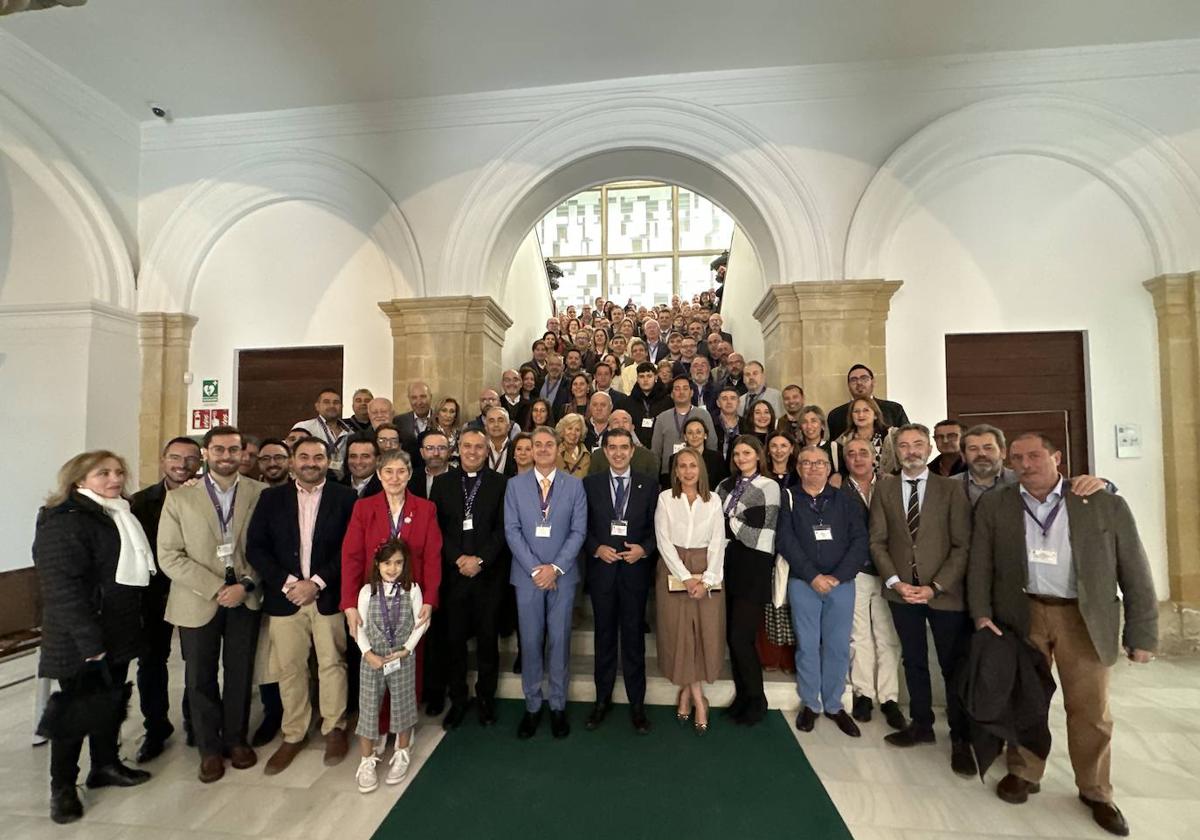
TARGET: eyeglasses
(813,465)
(431,448)
(272,459)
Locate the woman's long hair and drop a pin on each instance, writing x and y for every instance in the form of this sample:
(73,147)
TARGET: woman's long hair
(385,551)
(75,471)
(702,489)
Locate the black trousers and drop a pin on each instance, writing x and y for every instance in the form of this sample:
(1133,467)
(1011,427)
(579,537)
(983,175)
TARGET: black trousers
(220,714)
(471,607)
(102,743)
(434,675)
(619,592)
(952,637)
(152,682)
(742,619)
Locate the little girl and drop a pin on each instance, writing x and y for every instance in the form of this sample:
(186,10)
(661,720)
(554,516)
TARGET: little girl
(388,636)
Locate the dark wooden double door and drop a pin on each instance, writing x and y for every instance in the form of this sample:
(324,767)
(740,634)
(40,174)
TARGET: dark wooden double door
(277,388)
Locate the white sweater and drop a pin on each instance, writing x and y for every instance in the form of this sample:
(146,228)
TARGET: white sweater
(414,595)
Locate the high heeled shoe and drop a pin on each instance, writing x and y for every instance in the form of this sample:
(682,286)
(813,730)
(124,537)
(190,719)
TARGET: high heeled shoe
(681,717)
(702,728)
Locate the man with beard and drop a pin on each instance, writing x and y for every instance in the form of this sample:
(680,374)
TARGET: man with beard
(329,427)
(793,410)
(359,420)
(735,367)
(434,448)
(860,382)
(179,463)
(249,465)
(947,437)
(273,457)
(983,449)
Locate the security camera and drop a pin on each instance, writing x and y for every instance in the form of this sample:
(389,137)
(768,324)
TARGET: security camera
(159,111)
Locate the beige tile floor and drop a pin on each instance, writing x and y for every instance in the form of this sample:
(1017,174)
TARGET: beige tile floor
(881,792)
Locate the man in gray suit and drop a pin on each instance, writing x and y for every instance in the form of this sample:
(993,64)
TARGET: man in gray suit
(1048,564)
(420,416)
(668,425)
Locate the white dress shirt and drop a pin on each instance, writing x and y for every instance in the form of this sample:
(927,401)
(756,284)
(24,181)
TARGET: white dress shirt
(699,524)
(414,596)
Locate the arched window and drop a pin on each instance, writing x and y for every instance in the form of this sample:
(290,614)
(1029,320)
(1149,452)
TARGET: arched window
(634,240)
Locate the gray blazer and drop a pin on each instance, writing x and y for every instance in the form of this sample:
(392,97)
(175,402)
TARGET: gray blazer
(666,434)
(943,538)
(1109,562)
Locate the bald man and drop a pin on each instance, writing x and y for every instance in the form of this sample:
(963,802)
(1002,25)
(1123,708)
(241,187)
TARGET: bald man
(420,416)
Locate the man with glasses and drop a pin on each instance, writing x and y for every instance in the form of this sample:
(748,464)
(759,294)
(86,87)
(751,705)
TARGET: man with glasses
(824,541)
(434,449)
(860,381)
(273,460)
(179,463)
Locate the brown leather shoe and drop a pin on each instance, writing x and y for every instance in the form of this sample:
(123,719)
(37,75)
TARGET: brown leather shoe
(212,767)
(282,759)
(335,747)
(242,757)
(1014,790)
(1108,816)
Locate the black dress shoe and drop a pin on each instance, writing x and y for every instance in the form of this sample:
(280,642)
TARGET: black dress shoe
(806,720)
(754,713)
(893,715)
(1108,816)
(266,732)
(189,737)
(597,715)
(910,736)
(637,714)
(517,663)
(65,806)
(435,707)
(529,724)
(1014,790)
(116,775)
(150,749)
(735,709)
(559,726)
(861,710)
(454,717)
(845,723)
(962,760)
(486,710)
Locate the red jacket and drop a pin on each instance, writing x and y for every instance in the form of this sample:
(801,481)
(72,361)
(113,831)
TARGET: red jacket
(370,526)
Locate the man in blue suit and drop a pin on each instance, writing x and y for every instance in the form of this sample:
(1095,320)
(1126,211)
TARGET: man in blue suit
(545,521)
(620,566)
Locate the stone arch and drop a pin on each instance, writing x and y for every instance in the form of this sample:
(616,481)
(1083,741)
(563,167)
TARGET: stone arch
(1141,166)
(35,151)
(635,136)
(168,277)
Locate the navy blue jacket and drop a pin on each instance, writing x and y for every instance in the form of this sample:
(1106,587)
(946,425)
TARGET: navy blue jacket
(843,556)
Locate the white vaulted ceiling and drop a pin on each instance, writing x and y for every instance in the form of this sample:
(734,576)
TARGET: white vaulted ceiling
(203,57)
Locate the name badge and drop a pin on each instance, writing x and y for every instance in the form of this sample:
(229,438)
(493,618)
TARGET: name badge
(1045,556)
(647,422)
(542,531)
(224,550)
(392,667)
(468,524)
(677,447)
(823,533)
(620,528)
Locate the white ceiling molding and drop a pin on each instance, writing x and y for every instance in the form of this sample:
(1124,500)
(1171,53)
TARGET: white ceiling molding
(49,166)
(985,71)
(168,277)
(1140,165)
(779,218)
(23,68)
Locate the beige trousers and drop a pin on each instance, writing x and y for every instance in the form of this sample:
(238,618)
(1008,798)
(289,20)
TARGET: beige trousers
(874,645)
(292,636)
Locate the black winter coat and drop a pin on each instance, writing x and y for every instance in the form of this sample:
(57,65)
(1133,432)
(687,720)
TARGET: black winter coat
(85,611)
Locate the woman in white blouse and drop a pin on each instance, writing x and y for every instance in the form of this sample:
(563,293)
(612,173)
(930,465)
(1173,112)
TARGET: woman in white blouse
(690,531)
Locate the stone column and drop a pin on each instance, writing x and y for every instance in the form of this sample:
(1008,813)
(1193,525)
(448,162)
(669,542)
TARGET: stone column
(166,341)
(1177,305)
(815,331)
(451,343)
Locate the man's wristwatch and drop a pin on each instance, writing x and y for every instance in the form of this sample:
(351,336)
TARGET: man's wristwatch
(247,584)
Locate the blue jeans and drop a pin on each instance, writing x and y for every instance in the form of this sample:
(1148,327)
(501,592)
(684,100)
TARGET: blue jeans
(822,624)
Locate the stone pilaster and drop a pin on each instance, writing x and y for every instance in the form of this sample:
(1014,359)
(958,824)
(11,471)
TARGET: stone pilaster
(166,341)
(451,343)
(814,332)
(1177,307)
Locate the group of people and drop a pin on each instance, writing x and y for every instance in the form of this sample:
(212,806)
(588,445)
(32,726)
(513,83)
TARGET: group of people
(380,544)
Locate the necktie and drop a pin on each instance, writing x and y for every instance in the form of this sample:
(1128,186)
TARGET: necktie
(913,514)
(619,504)
(545,488)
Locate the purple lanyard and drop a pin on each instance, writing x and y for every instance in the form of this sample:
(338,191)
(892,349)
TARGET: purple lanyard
(390,622)
(818,509)
(394,525)
(224,521)
(1053,515)
(469,504)
(738,491)
(681,421)
(545,503)
(328,434)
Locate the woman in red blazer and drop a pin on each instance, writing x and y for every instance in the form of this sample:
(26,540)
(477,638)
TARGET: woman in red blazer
(374,520)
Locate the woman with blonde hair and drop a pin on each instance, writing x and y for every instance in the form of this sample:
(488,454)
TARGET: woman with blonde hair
(689,529)
(93,561)
(573,456)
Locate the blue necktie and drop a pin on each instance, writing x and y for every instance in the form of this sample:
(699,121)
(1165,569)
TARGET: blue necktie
(619,505)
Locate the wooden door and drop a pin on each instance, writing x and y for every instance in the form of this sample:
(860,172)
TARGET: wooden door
(277,388)
(1022,382)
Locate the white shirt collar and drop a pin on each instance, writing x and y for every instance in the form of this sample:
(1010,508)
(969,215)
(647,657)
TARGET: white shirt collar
(922,477)
(1053,496)
(616,474)
(550,475)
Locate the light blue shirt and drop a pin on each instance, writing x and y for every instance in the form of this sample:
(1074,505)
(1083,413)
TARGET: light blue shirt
(1056,579)
(906,489)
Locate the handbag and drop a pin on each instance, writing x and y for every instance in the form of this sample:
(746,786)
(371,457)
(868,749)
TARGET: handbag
(782,572)
(99,705)
(778,621)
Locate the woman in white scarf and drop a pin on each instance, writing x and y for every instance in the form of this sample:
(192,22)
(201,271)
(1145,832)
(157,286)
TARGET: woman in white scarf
(92,559)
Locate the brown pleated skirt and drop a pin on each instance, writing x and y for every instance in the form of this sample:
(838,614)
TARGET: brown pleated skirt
(690,632)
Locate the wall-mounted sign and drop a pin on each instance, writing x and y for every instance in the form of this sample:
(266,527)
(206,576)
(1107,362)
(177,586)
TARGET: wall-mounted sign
(201,418)
(209,391)
(220,417)
(1129,440)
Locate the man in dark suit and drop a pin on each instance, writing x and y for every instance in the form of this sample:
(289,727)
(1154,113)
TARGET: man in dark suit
(1058,569)
(420,416)
(434,449)
(538,361)
(860,381)
(179,463)
(603,384)
(470,512)
(656,347)
(648,399)
(499,429)
(294,542)
(920,535)
(619,549)
(511,399)
(362,457)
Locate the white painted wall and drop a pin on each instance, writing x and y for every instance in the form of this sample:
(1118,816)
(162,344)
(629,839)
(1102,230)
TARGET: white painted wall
(527,301)
(744,288)
(291,275)
(1024,243)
